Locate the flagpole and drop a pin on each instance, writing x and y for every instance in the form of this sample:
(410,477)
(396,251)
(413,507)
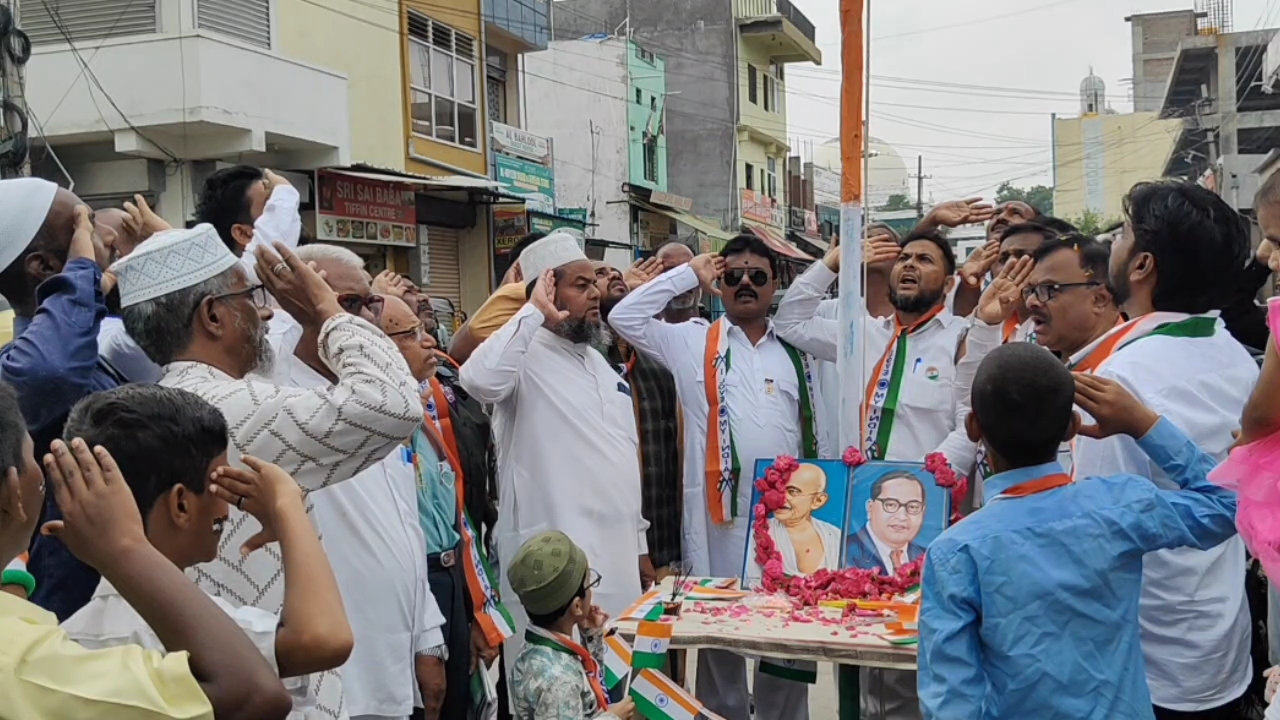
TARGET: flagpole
(852,306)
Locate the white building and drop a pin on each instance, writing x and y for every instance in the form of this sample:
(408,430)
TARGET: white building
(887,172)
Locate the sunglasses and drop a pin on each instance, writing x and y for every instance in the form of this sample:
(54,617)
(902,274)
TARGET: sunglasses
(353,303)
(733,278)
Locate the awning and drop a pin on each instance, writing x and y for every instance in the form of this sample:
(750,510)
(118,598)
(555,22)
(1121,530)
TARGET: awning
(702,225)
(813,240)
(443,182)
(774,238)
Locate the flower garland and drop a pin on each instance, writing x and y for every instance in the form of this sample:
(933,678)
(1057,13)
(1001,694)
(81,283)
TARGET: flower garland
(850,583)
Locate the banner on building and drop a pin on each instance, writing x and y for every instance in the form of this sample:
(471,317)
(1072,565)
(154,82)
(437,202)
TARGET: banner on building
(535,183)
(510,223)
(517,142)
(363,210)
(761,208)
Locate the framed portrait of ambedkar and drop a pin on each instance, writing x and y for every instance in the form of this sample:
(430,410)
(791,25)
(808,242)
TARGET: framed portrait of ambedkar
(895,509)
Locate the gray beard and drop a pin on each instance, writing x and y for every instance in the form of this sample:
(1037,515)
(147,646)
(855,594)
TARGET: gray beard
(264,361)
(595,334)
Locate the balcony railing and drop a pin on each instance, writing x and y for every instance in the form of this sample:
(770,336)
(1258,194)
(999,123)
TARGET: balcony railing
(770,8)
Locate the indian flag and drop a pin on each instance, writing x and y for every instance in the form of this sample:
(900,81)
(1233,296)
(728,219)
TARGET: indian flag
(652,639)
(617,661)
(658,698)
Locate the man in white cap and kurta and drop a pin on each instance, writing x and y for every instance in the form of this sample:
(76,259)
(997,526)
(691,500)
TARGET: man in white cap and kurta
(191,306)
(51,273)
(564,427)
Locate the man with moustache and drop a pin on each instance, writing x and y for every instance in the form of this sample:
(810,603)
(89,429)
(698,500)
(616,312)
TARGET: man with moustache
(188,302)
(1181,250)
(564,427)
(746,394)
(910,402)
(682,308)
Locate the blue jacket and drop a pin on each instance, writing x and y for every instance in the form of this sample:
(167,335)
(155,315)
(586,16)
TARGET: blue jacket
(1030,605)
(860,552)
(52,364)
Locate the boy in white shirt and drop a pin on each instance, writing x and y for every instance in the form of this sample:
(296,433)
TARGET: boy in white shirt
(171,446)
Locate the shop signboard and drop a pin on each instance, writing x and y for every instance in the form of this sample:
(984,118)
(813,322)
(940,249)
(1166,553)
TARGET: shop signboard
(517,142)
(579,214)
(510,223)
(826,186)
(761,208)
(679,202)
(535,183)
(805,221)
(653,230)
(543,223)
(363,210)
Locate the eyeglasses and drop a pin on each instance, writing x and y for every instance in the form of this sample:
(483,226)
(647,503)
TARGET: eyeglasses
(353,303)
(593,579)
(257,293)
(891,506)
(418,332)
(733,278)
(1045,292)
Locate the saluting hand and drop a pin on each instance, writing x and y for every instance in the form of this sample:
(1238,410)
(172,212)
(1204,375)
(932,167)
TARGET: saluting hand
(1114,409)
(1001,297)
(708,268)
(544,298)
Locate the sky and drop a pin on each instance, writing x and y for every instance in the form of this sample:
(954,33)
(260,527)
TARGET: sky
(1027,56)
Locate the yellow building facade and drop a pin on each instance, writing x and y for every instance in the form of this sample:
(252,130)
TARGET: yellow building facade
(1097,158)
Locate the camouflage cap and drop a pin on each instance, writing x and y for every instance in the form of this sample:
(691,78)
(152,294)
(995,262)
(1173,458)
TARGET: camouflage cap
(548,572)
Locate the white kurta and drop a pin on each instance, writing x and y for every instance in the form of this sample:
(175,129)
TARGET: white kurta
(832,541)
(279,222)
(1194,617)
(568,453)
(320,437)
(372,537)
(762,395)
(928,416)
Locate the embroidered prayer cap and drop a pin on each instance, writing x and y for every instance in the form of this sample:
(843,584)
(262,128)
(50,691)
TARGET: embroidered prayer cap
(553,251)
(24,206)
(170,261)
(548,572)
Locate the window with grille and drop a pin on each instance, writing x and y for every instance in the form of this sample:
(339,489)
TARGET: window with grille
(442,82)
(56,21)
(246,20)
(651,159)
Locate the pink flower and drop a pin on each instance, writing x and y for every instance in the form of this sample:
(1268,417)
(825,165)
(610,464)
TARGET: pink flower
(853,457)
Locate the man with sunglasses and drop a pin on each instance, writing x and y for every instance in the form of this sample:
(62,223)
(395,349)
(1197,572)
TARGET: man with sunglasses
(189,303)
(746,394)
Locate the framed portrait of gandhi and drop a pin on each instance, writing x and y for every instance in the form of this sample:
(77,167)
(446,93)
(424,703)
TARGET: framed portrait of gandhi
(809,530)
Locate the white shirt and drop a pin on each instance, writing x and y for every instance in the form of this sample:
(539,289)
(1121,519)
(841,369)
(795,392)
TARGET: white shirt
(826,377)
(928,418)
(319,436)
(1195,622)
(762,395)
(279,222)
(108,620)
(568,452)
(371,535)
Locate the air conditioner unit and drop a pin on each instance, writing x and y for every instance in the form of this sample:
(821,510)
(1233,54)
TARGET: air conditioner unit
(1271,65)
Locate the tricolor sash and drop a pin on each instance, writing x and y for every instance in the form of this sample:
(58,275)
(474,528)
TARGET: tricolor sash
(881,404)
(1170,324)
(490,613)
(535,635)
(723,468)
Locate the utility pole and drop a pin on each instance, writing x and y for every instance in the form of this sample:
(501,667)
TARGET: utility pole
(15,155)
(920,177)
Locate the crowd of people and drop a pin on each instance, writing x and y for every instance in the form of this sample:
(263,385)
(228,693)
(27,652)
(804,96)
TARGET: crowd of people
(244,480)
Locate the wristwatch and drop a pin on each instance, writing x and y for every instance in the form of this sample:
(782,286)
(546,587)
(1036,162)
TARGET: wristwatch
(439,651)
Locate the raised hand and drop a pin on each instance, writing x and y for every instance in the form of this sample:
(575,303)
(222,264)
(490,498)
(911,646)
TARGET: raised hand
(82,239)
(980,263)
(1115,411)
(1001,297)
(955,213)
(709,268)
(298,288)
(100,519)
(642,271)
(1268,254)
(265,491)
(142,220)
(879,253)
(544,298)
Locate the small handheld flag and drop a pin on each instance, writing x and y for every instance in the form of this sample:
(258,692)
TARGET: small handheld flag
(652,640)
(617,661)
(658,698)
